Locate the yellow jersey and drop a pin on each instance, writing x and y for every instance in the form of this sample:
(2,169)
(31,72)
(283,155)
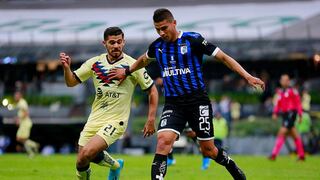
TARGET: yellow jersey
(22,107)
(112,101)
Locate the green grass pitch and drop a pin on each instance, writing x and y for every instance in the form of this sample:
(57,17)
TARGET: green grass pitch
(56,167)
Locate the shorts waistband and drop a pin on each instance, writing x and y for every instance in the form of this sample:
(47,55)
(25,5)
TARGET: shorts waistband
(191,98)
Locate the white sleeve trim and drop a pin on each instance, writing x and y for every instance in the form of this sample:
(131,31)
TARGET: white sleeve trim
(205,139)
(215,51)
(147,55)
(169,129)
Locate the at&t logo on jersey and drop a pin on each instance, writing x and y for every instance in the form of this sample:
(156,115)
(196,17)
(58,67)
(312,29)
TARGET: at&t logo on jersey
(171,71)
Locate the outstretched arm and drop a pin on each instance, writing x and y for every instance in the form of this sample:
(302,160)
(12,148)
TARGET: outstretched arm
(236,67)
(69,77)
(121,73)
(149,127)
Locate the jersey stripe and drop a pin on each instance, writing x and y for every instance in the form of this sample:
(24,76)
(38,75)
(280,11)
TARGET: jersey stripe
(199,72)
(190,64)
(180,63)
(173,63)
(169,79)
(160,62)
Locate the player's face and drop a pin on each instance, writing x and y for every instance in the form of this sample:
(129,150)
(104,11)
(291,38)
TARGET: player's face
(285,81)
(114,45)
(17,96)
(166,29)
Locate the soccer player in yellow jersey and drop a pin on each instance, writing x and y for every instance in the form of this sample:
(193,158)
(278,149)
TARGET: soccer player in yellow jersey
(25,124)
(111,108)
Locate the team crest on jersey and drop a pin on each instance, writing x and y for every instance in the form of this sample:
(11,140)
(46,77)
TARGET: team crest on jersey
(183,49)
(102,73)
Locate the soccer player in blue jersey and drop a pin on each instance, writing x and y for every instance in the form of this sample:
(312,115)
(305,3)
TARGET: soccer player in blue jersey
(179,55)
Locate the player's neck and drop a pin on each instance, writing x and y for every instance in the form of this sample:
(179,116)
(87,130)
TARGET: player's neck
(112,59)
(176,36)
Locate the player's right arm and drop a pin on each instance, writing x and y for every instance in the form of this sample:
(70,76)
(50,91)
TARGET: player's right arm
(121,73)
(141,62)
(69,77)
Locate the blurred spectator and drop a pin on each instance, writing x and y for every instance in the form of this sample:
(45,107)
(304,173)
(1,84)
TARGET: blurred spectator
(304,128)
(214,105)
(267,95)
(241,85)
(65,149)
(305,100)
(4,140)
(1,89)
(20,86)
(235,110)
(220,129)
(227,83)
(48,150)
(224,108)
(25,124)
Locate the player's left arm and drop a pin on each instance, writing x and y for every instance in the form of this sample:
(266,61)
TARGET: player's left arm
(236,67)
(146,83)
(205,47)
(149,127)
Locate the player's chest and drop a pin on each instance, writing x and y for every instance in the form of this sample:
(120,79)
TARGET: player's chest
(173,49)
(285,96)
(101,73)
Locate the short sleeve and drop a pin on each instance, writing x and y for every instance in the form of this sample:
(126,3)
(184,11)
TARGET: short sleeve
(143,79)
(204,46)
(84,72)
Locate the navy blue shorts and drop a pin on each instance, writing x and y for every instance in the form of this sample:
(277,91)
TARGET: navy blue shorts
(195,110)
(288,119)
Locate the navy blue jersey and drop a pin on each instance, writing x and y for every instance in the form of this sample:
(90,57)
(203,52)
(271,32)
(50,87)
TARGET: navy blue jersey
(181,62)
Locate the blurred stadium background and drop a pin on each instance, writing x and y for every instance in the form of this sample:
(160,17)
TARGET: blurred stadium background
(267,37)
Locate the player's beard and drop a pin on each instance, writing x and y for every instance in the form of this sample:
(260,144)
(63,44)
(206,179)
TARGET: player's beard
(115,54)
(166,38)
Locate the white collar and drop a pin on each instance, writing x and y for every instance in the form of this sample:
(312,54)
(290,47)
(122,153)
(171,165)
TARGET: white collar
(180,34)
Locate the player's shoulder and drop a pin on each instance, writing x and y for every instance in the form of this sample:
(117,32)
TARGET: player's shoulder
(193,35)
(22,102)
(156,42)
(293,91)
(96,58)
(127,58)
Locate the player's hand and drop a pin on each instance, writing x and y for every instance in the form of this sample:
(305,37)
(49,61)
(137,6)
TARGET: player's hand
(274,117)
(117,74)
(65,60)
(149,128)
(256,82)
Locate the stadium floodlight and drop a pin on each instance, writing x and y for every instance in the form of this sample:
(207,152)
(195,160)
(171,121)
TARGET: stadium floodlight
(5,102)
(10,107)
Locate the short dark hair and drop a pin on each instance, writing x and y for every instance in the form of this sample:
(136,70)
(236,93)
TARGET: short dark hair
(162,14)
(112,31)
